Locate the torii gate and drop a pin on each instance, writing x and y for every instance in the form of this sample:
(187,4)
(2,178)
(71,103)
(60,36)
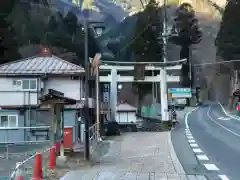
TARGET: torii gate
(113,78)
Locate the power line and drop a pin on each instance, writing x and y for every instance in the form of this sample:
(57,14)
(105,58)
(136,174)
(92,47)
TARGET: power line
(128,44)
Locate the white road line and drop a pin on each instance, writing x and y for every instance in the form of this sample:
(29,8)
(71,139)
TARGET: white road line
(202,157)
(227,114)
(223,177)
(234,133)
(190,137)
(186,118)
(194,145)
(224,118)
(211,167)
(197,150)
(191,141)
(188,134)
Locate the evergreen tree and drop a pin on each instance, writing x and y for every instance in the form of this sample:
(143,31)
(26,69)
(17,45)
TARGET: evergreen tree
(146,46)
(189,33)
(67,33)
(8,43)
(19,20)
(71,24)
(228,38)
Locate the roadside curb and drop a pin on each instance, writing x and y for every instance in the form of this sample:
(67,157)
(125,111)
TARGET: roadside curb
(177,165)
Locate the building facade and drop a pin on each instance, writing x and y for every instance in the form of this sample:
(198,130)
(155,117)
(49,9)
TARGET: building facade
(23,82)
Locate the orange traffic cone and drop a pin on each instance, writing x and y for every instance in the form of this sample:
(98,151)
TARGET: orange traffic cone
(37,171)
(52,158)
(19,172)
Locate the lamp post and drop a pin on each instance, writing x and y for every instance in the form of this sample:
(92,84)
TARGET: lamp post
(98,30)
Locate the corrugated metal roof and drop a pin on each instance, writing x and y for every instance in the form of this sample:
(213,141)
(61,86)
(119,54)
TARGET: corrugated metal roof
(40,65)
(125,107)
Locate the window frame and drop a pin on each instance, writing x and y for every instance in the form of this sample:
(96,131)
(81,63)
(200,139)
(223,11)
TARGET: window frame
(9,127)
(29,88)
(15,83)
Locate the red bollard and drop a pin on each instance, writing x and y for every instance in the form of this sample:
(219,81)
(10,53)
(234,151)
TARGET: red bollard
(58,145)
(37,171)
(52,158)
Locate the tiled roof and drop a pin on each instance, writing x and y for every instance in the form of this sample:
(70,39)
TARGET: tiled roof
(40,65)
(78,105)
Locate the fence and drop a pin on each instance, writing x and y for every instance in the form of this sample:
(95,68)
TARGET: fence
(23,141)
(35,166)
(93,137)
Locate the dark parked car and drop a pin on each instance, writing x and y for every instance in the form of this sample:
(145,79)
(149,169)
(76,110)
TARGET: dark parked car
(111,128)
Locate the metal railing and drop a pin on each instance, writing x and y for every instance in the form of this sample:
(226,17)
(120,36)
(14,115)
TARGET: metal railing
(23,141)
(93,137)
(26,166)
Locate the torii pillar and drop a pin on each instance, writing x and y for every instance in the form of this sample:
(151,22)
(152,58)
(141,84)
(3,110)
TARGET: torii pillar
(113,93)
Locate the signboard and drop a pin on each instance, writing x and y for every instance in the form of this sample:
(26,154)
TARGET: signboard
(180,92)
(106,93)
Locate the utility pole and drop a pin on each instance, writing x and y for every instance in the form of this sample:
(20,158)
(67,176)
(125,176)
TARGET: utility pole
(163,74)
(86,107)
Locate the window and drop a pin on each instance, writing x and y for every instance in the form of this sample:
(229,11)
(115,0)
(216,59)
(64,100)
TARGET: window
(4,121)
(8,121)
(29,84)
(17,82)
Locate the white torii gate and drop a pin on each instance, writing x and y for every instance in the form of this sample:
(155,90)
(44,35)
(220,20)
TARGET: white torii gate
(113,78)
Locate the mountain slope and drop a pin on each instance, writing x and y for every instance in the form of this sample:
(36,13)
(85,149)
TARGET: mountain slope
(99,10)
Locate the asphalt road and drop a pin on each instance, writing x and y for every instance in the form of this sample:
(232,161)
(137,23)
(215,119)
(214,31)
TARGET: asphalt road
(185,154)
(217,136)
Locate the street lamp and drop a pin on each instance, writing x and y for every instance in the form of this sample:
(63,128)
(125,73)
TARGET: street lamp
(98,28)
(120,86)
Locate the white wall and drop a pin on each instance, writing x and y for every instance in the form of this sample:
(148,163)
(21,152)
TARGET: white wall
(11,95)
(126,117)
(70,88)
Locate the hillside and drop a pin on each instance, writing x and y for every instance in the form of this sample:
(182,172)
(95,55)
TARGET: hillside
(120,29)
